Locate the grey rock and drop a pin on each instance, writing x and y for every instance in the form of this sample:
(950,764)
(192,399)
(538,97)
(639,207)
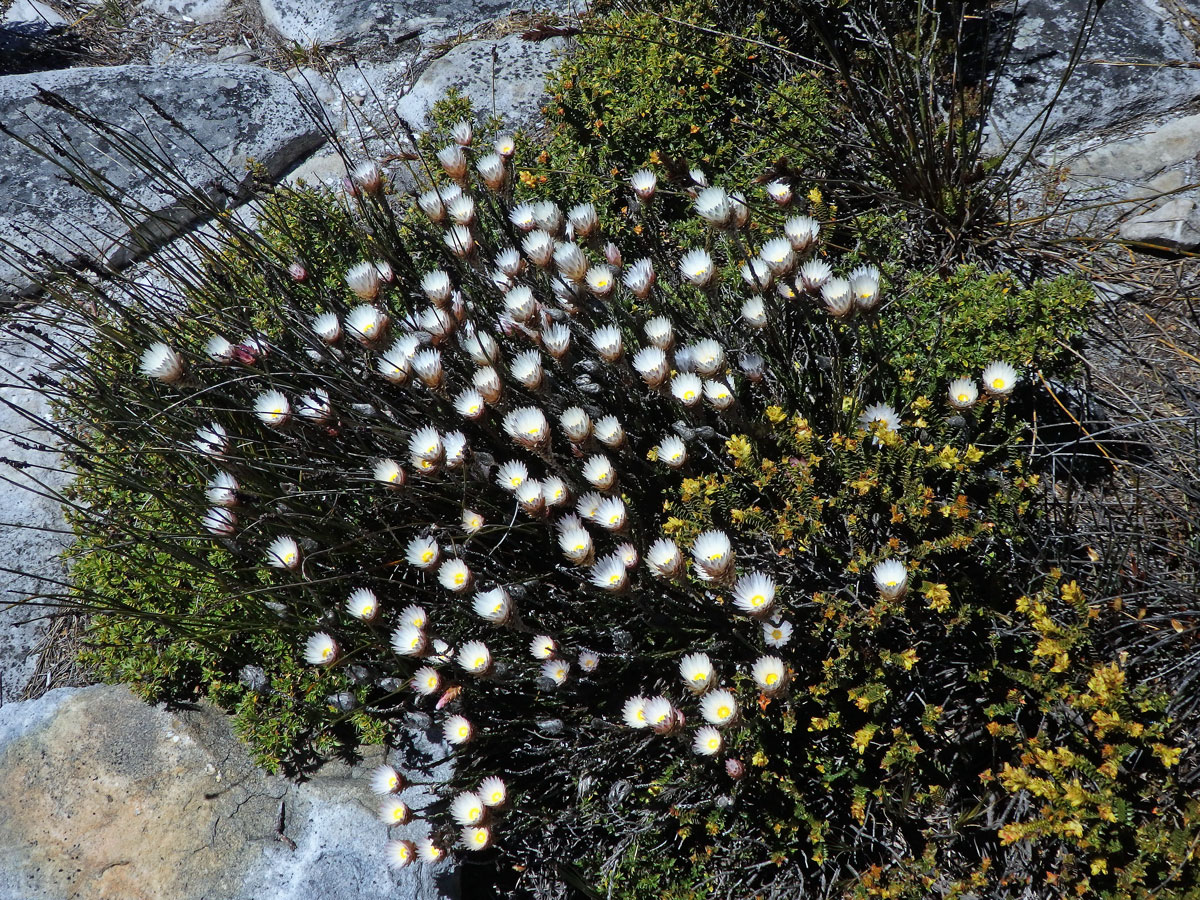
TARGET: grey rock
(321,22)
(1175,225)
(32,12)
(1146,153)
(105,796)
(234,53)
(234,113)
(506,76)
(1097,94)
(32,529)
(190,10)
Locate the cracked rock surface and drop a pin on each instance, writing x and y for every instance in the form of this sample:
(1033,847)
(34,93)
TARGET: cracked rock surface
(105,796)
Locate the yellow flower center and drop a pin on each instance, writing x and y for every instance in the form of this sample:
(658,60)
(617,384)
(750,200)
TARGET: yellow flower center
(481,836)
(715,557)
(427,556)
(601,282)
(757,600)
(771,678)
(432,682)
(459,577)
(425,464)
(723,712)
(516,480)
(326,652)
(367,611)
(700,678)
(614,578)
(963,398)
(496,797)
(998,383)
(776,635)
(714,744)
(415,642)
(689,395)
(614,519)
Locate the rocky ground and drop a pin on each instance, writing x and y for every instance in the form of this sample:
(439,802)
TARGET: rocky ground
(107,797)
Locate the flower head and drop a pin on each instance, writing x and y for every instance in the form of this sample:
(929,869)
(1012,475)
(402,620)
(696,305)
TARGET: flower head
(487,382)
(659,332)
(575,541)
(644,184)
(320,650)
(454,161)
(697,268)
(426,444)
(430,852)
(607,341)
(778,256)
(222,490)
(212,440)
(712,205)
(999,379)
(393,811)
(814,274)
(219,521)
(661,715)
(864,285)
(283,553)
(640,278)
(611,514)
(687,388)
(459,241)
(707,741)
(409,640)
(633,713)
(882,415)
(556,670)
(838,297)
(610,574)
(754,312)
(400,854)
(492,171)
(713,555)
(493,606)
(802,232)
(427,364)
(458,730)
(754,594)
(697,672)
(963,393)
(471,521)
(651,364)
(891,578)
(493,792)
(588,661)
(527,426)
(671,451)
(386,780)
(527,369)
(476,837)
(455,576)
(363,279)
(777,634)
(272,408)
(363,605)
(220,350)
(771,675)
(467,808)
(315,407)
(512,475)
(664,558)
(718,394)
(719,707)
(555,491)
(475,658)
(599,472)
(548,216)
(426,681)
(161,362)
(422,552)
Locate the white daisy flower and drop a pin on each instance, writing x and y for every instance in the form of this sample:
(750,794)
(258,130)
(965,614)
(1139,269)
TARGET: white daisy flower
(891,578)
(651,364)
(438,322)
(697,268)
(687,388)
(393,811)
(557,670)
(556,339)
(838,297)
(161,362)
(611,514)
(505,145)
(778,256)
(754,312)
(454,161)
(880,414)
(212,440)
(779,191)
(476,837)
(697,672)
(599,472)
(527,369)
(455,576)
(589,661)
(493,606)
(432,205)
(366,324)
(414,615)
(493,792)
(659,332)
(610,574)
(512,475)
(475,658)
(492,171)
(320,650)
(509,262)
(426,444)
(393,364)
(771,675)
(661,715)
(753,366)
(633,713)
(739,208)
(814,274)
(712,205)
(527,426)
(400,854)
(719,707)
(600,280)
(644,184)
(422,552)
(522,217)
(467,808)
(707,357)
(363,605)
(640,278)
(458,730)
(479,345)
(864,284)
(315,407)
(471,521)
(519,303)
(629,555)
(555,491)
(283,553)
(222,490)
(543,647)
(548,216)
(609,432)
(963,393)
(999,379)
(459,241)
(754,594)
(539,248)
(671,451)
(718,394)
(757,275)
(529,495)
(576,424)
(583,219)
(607,342)
(487,382)
(430,852)
(426,681)
(575,541)
(664,558)
(461,210)
(777,634)
(589,505)
(272,408)
(388,472)
(469,404)
(219,350)
(386,780)
(707,741)
(570,261)
(219,521)
(409,640)
(427,364)
(802,231)
(713,555)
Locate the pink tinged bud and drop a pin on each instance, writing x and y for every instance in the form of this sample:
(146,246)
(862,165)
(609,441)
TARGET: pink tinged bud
(734,768)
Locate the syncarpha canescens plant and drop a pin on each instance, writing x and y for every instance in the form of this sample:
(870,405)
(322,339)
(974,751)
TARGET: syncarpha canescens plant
(490,479)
